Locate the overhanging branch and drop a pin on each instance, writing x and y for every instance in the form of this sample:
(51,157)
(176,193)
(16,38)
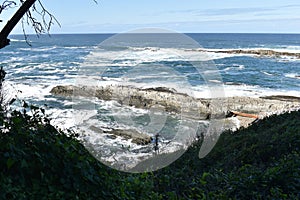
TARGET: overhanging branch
(4,41)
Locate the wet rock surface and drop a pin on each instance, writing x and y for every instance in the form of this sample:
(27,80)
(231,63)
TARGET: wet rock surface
(282,98)
(171,101)
(182,104)
(187,106)
(257,52)
(135,136)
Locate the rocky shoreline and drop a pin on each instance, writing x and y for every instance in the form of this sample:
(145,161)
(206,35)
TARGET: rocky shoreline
(181,104)
(135,136)
(257,52)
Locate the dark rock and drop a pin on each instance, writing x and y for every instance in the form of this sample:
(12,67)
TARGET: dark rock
(62,90)
(282,98)
(259,52)
(111,136)
(182,104)
(137,137)
(161,89)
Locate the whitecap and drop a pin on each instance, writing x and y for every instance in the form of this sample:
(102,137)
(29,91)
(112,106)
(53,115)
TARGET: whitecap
(39,49)
(16,40)
(240,89)
(292,75)
(267,73)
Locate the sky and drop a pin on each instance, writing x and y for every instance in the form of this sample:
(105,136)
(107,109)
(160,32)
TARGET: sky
(186,16)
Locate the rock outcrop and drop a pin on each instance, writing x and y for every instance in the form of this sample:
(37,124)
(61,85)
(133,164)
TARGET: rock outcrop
(183,104)
(257,52)
(283,98)
(135,136)
(161,97)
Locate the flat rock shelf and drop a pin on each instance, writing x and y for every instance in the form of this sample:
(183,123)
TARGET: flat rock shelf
(180,104)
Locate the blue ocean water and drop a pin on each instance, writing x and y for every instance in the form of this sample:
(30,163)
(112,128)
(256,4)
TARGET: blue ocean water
(57,59)
(59,56)
(32,71)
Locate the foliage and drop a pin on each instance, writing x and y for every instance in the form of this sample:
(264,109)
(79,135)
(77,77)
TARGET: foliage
(259,162)
(40,162)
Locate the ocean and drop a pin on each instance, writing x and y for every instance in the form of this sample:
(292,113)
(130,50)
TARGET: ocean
(147,60)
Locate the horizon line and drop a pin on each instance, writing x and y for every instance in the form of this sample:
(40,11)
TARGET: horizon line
(110,33)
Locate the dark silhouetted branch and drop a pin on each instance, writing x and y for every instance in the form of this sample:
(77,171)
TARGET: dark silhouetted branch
(4,41)
(44,24)
(7,4)
(28,11)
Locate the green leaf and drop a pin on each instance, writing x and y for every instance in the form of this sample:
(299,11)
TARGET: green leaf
(24,164)
(10,162)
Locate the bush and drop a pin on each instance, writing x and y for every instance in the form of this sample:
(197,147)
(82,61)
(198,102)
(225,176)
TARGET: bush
(40,162)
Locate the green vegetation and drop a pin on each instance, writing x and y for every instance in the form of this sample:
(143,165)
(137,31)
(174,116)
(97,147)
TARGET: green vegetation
(41,162)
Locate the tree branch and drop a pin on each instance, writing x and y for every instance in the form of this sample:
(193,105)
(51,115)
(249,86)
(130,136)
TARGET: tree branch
(44,24)
(7,4)
(41,24)
(4,41)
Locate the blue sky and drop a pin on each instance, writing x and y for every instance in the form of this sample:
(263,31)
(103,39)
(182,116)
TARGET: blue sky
(220,16)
